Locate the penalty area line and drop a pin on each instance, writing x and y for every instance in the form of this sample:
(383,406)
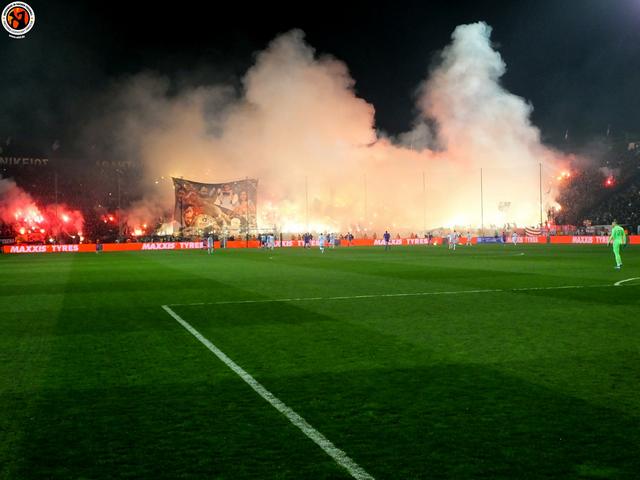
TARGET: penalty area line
(391,295)
(619,284)
(339,456)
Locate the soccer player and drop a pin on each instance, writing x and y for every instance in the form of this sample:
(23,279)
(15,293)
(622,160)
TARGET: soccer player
(454,238)
(271,241)
(321,242)
(468,238)
(210,244)
(618,238)
(514,237)
(387,240)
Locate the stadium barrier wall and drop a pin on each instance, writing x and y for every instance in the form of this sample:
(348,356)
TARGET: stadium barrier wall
(582,239)
(83,247)
(154,246)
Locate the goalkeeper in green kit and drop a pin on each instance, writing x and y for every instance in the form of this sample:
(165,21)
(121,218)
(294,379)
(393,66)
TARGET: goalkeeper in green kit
(619,238)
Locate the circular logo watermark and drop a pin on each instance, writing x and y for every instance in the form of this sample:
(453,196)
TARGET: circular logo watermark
(17,19)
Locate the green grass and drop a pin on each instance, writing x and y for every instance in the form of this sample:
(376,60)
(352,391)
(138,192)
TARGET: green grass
(98,382)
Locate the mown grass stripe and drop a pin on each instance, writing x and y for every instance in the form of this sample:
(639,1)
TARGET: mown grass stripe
(401,294)
(340,457)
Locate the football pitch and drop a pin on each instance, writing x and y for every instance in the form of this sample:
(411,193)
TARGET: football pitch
(494,362)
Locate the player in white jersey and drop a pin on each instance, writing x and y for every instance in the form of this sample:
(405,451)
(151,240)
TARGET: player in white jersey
(514,237)
(271,242)
(210,244)
(321,239)
(468,238)
(455,238)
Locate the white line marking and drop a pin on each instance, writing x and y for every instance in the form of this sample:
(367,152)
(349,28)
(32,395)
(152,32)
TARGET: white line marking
(324,443)
(386,295)
(479,255)
(618,284)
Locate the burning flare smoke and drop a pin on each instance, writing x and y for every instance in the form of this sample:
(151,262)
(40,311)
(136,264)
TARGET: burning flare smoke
(300,128)
(31,222)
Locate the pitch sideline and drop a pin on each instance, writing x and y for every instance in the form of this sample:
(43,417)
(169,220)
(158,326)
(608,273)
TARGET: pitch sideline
(339,456)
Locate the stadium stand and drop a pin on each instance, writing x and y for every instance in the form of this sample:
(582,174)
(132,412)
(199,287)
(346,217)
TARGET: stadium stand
(601,193)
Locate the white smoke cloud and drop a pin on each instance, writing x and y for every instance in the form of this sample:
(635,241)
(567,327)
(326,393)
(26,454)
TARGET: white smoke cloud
(480,125)
(299,121)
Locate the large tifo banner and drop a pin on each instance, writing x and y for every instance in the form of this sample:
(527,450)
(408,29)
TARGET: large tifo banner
(217,207)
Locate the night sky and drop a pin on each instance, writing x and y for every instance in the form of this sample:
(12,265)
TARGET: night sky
(576,61)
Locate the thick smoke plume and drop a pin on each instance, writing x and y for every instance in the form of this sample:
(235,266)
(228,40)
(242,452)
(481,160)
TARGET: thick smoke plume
(481,125)
(299,127)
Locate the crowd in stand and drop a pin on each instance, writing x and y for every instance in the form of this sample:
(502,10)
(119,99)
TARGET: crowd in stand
(623,207)
(5,230)
(601,193)
(586,198)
